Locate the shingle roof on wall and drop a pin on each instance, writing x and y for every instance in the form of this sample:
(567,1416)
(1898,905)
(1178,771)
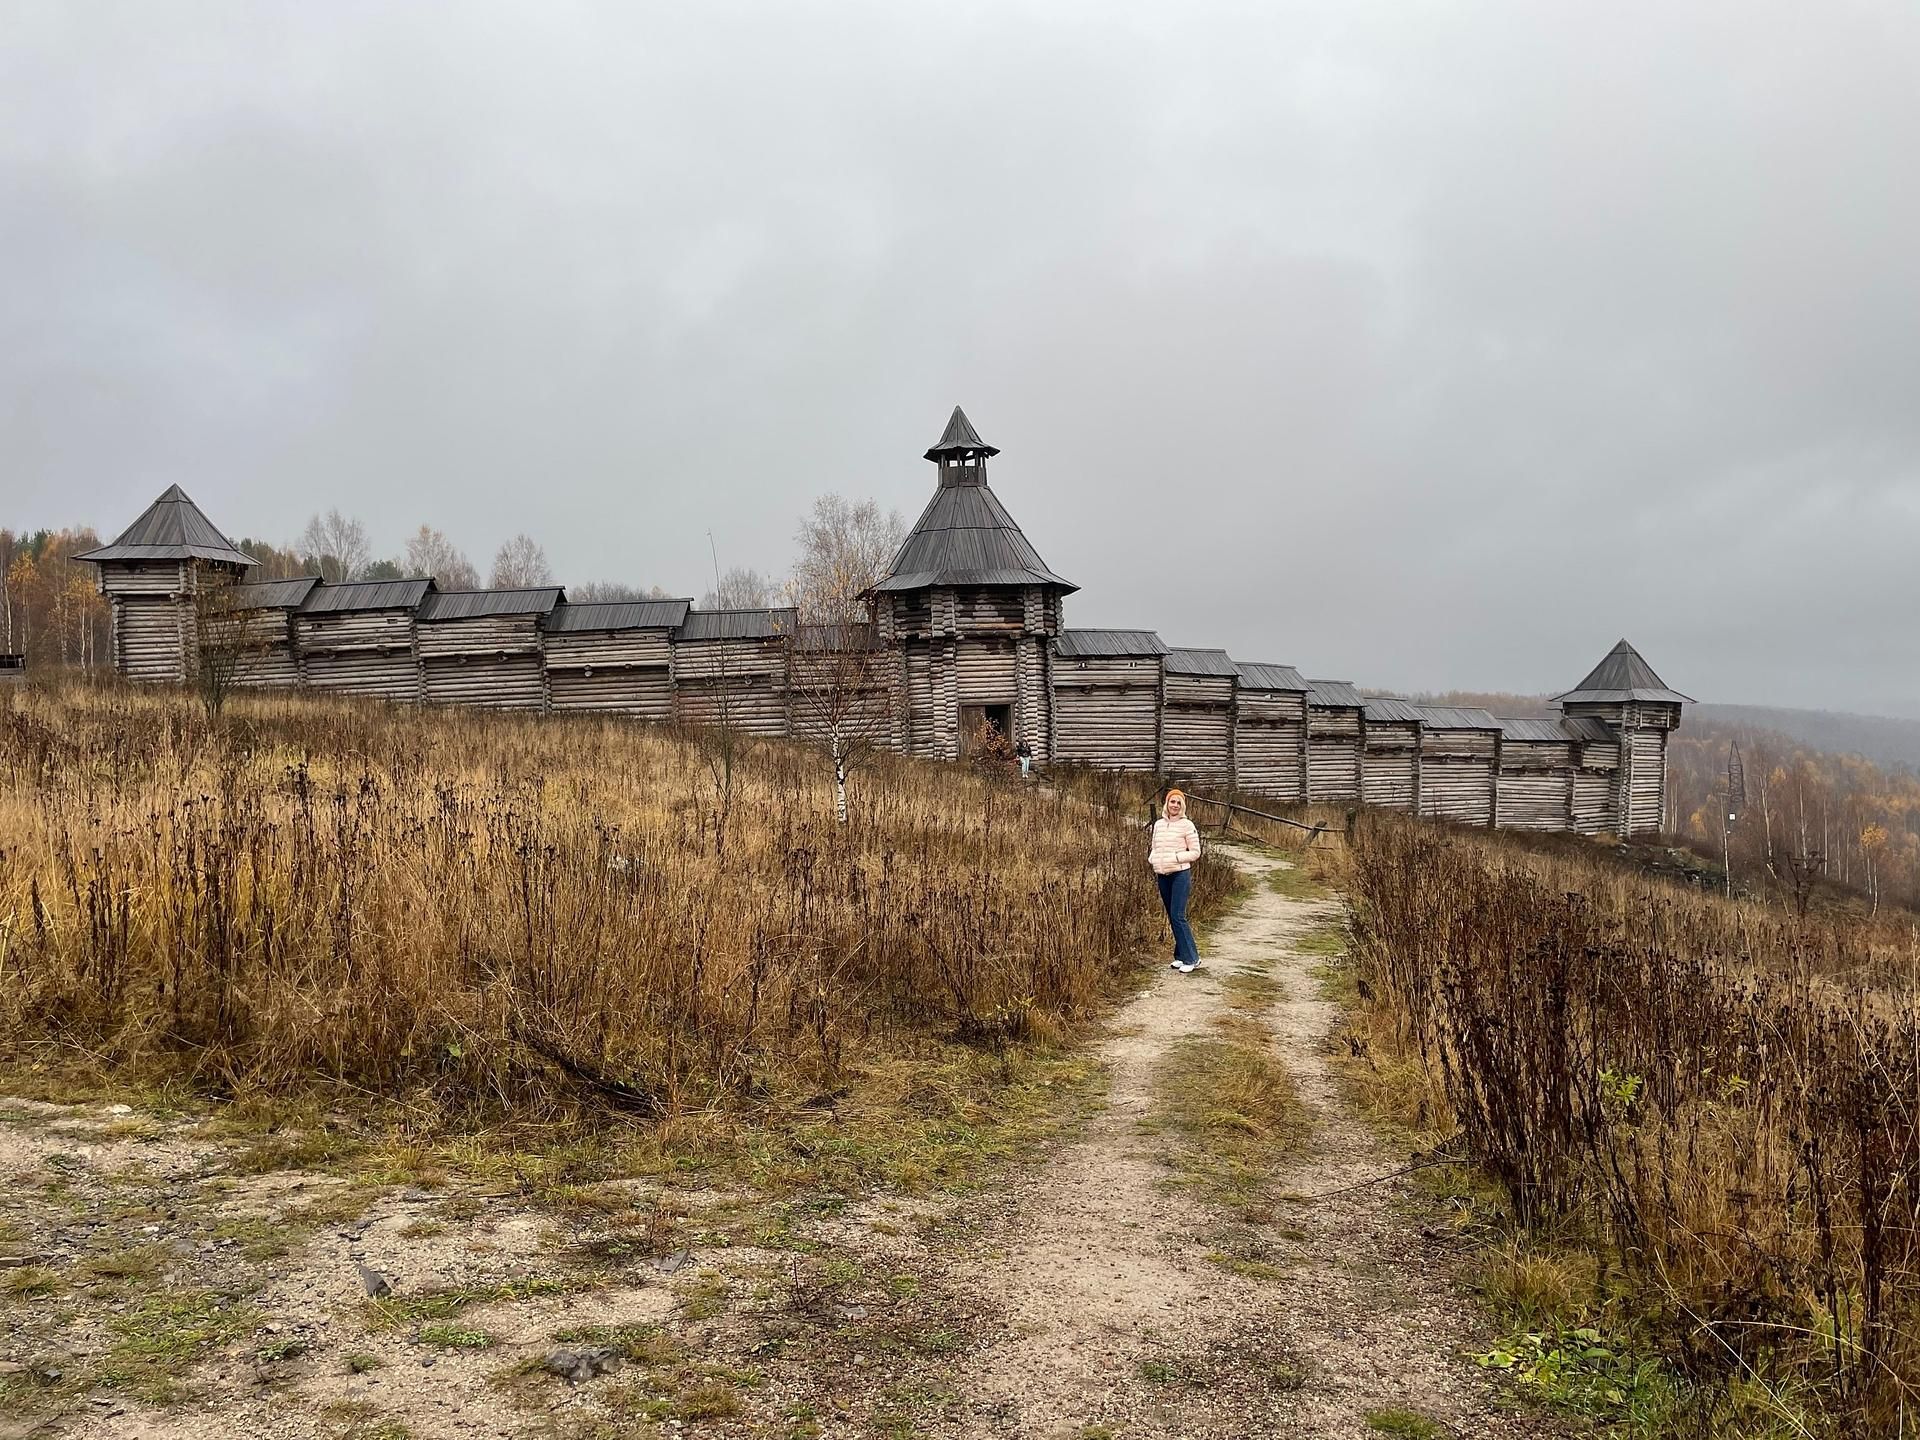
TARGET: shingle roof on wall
(736,624)
(1456,717)
(272,594)
(474,604)
(172,528)
(1334,695)
(1258,675)
(1589,730)
(1184,661)
(1080,644)
(618,615)
(1387,710)
(366,595)
(1531,731)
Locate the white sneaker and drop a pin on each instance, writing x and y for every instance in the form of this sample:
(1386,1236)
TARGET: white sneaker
(1174,966)
(1184,969)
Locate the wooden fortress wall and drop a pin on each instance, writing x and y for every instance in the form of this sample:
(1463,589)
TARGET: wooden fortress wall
(1190,715)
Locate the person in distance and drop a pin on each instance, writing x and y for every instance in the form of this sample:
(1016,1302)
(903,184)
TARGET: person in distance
(1176,845)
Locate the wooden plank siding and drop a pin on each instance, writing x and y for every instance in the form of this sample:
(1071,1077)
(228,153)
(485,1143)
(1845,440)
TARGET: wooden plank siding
(1333,755)
(966,619)
(1457,775)
(1269,743)
(360,652)
(1390,764)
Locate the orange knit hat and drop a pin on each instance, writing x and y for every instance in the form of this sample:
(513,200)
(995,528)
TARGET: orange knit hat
(1171,796)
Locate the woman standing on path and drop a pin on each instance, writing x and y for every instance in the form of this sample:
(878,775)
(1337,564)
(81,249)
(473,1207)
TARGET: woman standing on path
(1176,845)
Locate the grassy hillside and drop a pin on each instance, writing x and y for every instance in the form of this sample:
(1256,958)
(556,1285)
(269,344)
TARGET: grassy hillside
(1698,1112)
(511,914)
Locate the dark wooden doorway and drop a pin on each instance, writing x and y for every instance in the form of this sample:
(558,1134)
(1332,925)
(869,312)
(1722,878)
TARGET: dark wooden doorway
(985,728)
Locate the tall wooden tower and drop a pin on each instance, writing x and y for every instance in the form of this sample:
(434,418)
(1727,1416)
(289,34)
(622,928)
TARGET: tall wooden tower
(151,576)
(971,608)
(1624,693)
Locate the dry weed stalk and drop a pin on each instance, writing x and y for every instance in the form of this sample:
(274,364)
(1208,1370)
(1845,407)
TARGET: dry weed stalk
(1725,1095)
(513,910)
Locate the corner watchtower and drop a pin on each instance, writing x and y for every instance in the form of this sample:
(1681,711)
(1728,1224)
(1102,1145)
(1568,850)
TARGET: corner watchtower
(970,607)
(1635,705)
(152,575)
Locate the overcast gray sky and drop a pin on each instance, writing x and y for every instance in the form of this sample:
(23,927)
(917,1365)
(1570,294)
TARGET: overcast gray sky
(1428,345)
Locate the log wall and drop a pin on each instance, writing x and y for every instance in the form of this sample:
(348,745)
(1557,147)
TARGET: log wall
(942,650)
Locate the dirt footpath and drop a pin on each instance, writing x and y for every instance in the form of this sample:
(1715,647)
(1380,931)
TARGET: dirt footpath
(1121,1317)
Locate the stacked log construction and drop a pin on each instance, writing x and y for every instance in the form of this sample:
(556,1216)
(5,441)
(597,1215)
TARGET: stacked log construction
(965,648)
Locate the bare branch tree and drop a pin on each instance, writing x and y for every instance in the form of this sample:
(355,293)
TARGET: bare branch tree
(741,589)
(336,545)
(599,592)
(519,564)
(846,547)
(431,553)
(225,638)
(840,680)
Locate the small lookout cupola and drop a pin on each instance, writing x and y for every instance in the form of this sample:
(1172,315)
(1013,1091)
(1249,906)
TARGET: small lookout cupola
(960,452)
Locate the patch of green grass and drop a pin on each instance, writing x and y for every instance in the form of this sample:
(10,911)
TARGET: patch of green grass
(160,1339)
(359,1363)
(259,1238)
(1159,1372)
(1251,992)
(1585,1372)
(704,1298)
(938,1342)
(314,1149)
(646,1345)
(1328,940)
(711,1401)
(1231,1108)
(1405,1423)
(284,1348)
(28,1282)
(1252,1269)
(361,1420)
(430,1305)
(445,1335)
(1294,883)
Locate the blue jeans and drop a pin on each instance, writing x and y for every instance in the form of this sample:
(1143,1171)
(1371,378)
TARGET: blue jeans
(1174,890)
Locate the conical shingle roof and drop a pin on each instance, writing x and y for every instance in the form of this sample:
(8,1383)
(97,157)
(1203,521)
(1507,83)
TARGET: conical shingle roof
(172,528)
(965,535)
(959,437)
(1624,675)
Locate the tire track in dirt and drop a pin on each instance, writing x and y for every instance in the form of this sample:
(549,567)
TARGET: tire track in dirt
(1116,1321)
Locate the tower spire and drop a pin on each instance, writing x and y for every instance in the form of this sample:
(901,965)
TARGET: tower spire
(960,452)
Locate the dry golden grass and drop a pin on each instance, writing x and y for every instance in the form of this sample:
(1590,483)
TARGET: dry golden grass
(510,913)
(1718,1101)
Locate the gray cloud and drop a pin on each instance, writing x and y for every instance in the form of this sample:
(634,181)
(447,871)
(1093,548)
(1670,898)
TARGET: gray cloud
(1425,345)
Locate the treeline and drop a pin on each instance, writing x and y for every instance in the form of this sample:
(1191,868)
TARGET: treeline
(50,607)
(1840,817)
